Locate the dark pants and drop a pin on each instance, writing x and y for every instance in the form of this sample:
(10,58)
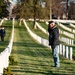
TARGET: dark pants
(2,38)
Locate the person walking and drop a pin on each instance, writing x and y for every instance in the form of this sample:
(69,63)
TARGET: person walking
(2,33)
(54,42)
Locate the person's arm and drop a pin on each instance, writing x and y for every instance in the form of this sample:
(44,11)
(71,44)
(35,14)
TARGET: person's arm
(56,37)
(49,29)
(4,33)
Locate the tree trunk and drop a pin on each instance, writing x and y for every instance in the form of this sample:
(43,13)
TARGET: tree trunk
(34,22)
(50,9)
(20,22)
(58,17)
(35,2)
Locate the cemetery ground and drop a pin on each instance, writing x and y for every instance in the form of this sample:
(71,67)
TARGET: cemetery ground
(33,58)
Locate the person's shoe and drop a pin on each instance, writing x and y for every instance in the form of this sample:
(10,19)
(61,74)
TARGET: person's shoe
(56,66)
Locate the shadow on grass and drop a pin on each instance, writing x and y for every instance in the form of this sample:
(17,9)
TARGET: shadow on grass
(31,72)
(32,49)
(51,73)
(29,44)
(3,45)
(29,69)
(41,73)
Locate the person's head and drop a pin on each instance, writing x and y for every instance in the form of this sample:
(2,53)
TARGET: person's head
(51,24)
(2,27)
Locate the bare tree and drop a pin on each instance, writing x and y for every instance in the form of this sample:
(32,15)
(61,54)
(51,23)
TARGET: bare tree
(71,11)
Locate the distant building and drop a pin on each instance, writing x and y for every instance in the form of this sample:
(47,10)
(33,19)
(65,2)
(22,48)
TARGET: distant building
(66,9)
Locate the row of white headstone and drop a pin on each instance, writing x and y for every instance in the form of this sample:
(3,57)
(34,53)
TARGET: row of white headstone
(63,39)
(71,31)
(1,22)
(67,40)
(70,35)
(4,56)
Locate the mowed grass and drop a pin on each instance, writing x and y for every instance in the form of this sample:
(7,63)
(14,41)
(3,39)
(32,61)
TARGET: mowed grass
(35,59)
(36,31)
(44,25)
(8,29)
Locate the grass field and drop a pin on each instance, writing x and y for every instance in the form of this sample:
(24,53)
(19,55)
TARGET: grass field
(44,25)
(36,31)
(35,59)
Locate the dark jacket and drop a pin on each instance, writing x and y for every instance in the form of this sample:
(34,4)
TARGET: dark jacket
(53,36)
(2,32)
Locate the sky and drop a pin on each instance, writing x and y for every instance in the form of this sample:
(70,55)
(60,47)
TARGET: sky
(14,1)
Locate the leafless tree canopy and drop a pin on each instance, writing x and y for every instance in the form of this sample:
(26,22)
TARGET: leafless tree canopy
(44,8)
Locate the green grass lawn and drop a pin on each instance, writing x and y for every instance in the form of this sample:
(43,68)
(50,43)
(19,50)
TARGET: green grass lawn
(65,29)
(68,25)
(36,31)
(35,59)
(44,25)
(8,29)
